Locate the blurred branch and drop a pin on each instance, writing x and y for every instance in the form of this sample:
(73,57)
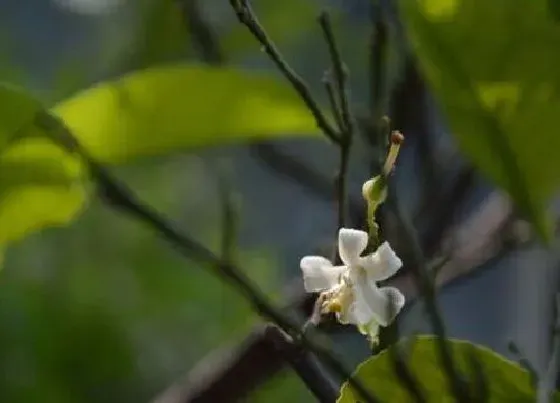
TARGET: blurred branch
(406,377)
(331,95)
(481,392)
(116,195)
(204,38)
(546,384)
(227,374)
(229,220)
(475,241)
(247,17)
(479,240)
(378,94)
(208,46)
(342,109)
(427,288)
(524,362)
(340,73)
(303,364)
(292,168)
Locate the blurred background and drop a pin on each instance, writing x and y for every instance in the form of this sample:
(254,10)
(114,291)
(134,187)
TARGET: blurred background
(104,311)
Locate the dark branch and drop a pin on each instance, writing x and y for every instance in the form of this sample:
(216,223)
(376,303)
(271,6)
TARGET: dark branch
(228,374)
(427,288)
(340,76)
(303,364)
(546,384)
(524,362)
(341,107)
(229,221)
(119,197)
(248,18)
(333,102)
(204,38)
(469,259)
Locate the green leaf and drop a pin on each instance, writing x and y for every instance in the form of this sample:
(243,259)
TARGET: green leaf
(39,182)
(493,67)
(507,381)
(17,111)
(167,109)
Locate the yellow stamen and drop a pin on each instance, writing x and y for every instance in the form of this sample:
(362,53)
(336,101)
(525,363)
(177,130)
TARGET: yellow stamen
(335,306)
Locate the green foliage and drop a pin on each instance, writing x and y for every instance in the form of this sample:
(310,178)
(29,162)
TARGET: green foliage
(172,108)
(151,112)
(506,381)
(493,67)
(105,311)
(162,33)
(39,183)
(17,110)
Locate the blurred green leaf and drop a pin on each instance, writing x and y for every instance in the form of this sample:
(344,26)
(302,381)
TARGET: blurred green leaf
(39,183)
(493,67)
(167,109)
(507,382)
(17,110)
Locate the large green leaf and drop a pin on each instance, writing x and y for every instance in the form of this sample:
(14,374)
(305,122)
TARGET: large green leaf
(493,65)
(167,109)
(39,183)
(506,381)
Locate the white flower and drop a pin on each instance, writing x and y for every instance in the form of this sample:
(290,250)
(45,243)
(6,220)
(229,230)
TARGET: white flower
(351,290)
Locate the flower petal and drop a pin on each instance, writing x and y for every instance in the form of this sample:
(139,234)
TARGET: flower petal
(319,274)
(382,264)
(346,299)
(395,300)
(371,302)
(351,243)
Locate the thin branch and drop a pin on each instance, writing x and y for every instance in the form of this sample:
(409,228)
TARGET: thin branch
(405,375)
(331,95)
(546,384)
(205,39)
(303,364)
(524,362)
(208,46)
(229,220)
(247,17)
(227,374)
(340,76)
(378,63)
(426,286)
(480,375)
(116,195)
(256,362)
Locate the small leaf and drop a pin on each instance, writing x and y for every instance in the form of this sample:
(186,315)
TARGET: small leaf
(506,381)
(168,109)
(493,67)
(40,184)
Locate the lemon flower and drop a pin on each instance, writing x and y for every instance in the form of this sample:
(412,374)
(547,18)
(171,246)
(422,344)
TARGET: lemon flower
(351,290)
